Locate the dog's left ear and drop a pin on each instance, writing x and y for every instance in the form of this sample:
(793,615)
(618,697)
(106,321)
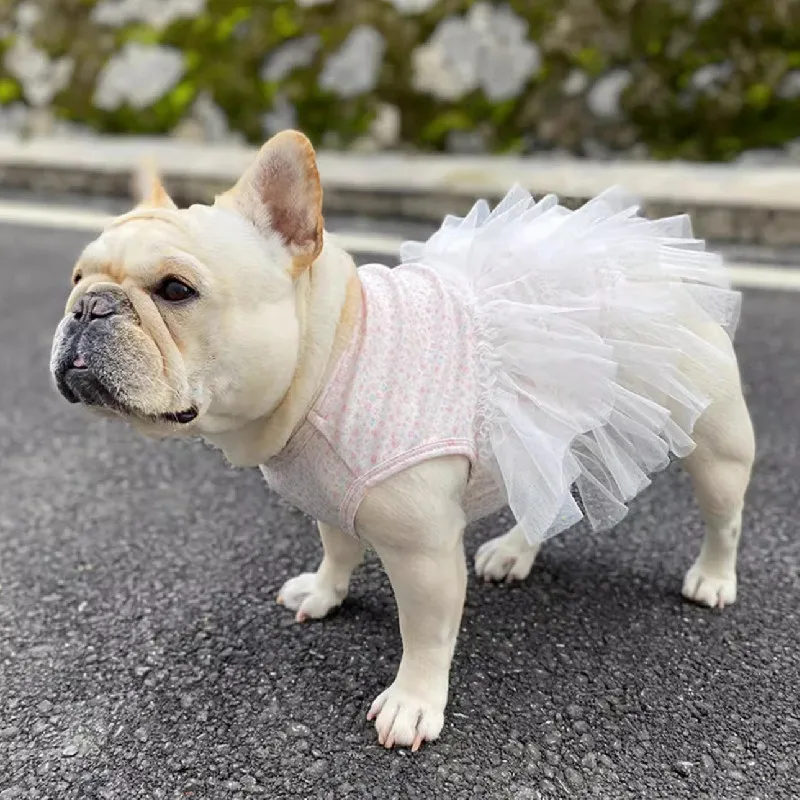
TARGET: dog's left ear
(280,193)
(148,190)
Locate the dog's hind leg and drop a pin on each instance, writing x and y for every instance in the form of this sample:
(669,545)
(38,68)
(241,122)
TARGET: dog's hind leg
(720,469)
(508,557)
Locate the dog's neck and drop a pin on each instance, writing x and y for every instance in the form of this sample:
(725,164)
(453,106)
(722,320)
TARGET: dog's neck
(328,306)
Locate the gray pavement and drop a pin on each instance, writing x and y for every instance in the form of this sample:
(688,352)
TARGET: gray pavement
(142,654)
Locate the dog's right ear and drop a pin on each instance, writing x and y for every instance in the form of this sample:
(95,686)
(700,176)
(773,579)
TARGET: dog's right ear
(148,191)
(281,194)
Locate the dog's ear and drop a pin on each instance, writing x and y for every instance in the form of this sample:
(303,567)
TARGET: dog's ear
(280,193)
(148,190)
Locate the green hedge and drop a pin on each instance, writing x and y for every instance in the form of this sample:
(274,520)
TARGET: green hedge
(697,79)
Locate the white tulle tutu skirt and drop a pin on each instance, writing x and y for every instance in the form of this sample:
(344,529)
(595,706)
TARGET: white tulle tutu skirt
(590,324)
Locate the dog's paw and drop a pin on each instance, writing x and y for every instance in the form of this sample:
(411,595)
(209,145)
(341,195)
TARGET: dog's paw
(708,588)
(405,718)
(310,597)
(505,558)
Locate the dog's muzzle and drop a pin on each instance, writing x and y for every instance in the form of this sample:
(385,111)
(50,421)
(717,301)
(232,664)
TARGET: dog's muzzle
(95,358)
(83,342)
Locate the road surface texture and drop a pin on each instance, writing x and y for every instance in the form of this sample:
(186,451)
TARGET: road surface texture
(142,654)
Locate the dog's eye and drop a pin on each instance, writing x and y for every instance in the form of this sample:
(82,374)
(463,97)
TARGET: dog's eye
(174,291)
(76,277)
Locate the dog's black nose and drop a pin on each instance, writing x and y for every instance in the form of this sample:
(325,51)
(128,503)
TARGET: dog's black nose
(94,305)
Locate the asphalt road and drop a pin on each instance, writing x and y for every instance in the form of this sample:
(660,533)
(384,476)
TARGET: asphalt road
(142,654)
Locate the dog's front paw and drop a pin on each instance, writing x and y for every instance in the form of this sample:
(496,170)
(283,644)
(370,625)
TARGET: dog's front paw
(406,718)
(310,596)
(709,588)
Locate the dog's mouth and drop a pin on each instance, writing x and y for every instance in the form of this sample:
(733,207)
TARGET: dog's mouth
(181,417)
(78,385)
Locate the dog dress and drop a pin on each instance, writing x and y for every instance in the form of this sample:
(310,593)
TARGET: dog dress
(553,349)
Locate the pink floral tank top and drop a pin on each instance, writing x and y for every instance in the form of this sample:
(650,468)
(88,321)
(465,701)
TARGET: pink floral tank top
(405,391)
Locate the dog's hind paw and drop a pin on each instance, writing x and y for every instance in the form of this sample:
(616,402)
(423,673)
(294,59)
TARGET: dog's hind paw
(707,588)
(310,596)
(506,558)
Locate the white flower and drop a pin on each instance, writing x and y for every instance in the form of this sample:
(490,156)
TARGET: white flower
(310,3)
(604,97)
(413,6)
(290,56)
(355,67)
(446,66)
(156,13)
(138,75)
(575,83)
(711,76)
(487,49)
(27,16)
(703,9)
(789,87)
(41,77)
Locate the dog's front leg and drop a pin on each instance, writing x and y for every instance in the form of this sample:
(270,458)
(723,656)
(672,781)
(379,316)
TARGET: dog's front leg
(429,588)
(422,551)
(313,594)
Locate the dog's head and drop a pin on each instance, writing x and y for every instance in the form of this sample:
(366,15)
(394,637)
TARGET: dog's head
(186,319)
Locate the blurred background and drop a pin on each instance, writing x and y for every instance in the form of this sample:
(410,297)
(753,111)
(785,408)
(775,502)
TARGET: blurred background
(690,79)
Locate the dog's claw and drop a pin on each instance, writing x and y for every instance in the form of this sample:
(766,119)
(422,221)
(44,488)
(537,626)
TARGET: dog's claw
(374,710)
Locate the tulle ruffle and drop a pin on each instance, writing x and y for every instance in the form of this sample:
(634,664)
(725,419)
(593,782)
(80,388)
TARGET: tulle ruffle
(587,321)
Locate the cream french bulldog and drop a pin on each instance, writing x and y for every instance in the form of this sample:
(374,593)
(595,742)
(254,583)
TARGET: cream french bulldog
(228,321)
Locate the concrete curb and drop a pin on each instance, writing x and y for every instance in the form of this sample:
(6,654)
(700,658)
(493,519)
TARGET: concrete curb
(728,203)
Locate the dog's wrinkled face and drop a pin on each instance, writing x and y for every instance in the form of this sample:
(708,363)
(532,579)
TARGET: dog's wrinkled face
(187,319)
